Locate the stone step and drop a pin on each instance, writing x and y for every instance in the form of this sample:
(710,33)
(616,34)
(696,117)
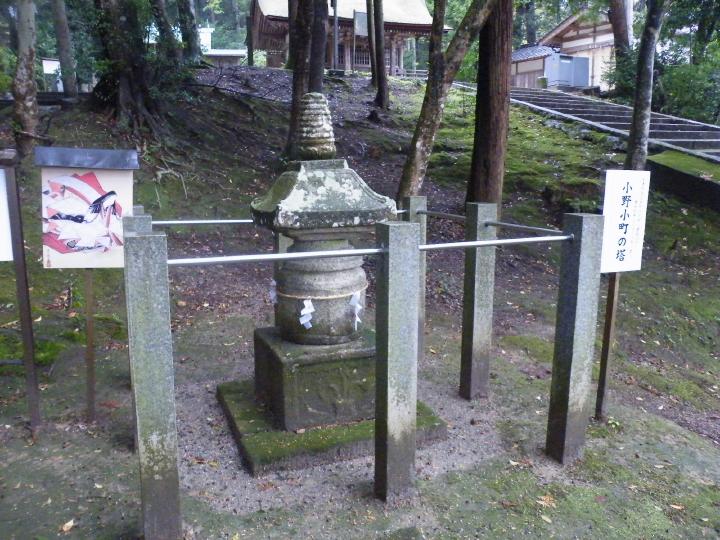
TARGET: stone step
(678,134)
(692,144)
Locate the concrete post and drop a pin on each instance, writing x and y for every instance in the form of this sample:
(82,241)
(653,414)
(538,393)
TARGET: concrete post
(153,385)
(478,294)
(574,337)
(396,372)
(413,205)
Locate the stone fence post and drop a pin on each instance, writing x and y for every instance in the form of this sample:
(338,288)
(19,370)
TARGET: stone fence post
(478,294)
(397,314)
(413,205)
(574,337)
(152,374)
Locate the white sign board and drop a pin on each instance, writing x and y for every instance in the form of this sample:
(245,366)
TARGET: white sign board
(6,253)
(624,208)
(361,23)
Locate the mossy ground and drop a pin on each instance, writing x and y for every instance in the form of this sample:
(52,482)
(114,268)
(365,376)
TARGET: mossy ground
(688,164)
(645,474)
(266,449)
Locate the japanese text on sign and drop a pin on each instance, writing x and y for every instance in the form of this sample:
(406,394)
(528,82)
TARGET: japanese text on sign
(624,208)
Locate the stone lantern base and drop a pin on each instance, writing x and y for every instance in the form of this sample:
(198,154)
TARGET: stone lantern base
(307,386)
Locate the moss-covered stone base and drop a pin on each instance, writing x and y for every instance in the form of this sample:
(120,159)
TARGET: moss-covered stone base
(265,449)
(315,385)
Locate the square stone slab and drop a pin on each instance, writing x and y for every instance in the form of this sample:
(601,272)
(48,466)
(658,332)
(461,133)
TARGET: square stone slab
(266,449)
(315,385)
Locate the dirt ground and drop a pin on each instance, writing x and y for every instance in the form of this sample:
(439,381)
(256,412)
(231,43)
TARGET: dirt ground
(652,472)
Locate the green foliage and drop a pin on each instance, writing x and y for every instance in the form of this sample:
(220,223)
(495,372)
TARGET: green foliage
(692,91)
(7,68)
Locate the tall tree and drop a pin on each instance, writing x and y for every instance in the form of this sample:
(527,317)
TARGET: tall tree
(187,22)
(167,46)
(292,20)
(371,41)
(618,16)
(7,13)
(125,85)
(382,99)
(640,126)
(492,107)
(302,28)
(233,11)
(24,86)
(65,49)
(441,74)
(530,22)
(318,45)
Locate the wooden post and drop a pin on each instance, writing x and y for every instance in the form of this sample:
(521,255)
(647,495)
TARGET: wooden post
(90,345)
(7,159)
(607,346)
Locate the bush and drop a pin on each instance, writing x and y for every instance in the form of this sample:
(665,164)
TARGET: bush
(691,91)
(7,69)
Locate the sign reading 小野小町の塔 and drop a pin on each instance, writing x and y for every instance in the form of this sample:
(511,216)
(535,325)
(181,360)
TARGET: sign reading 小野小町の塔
(85,194)
(625,209)
(6,252)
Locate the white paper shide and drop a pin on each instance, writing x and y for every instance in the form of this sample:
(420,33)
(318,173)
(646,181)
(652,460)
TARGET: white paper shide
(625,210)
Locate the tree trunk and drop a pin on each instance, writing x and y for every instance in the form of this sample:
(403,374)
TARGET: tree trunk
(189,32)
(706,25)
(125,86)
(443,68)
(530,23)
(292,20)
(24,86)
(234,13)
(318,47)
(518,31)
(250,40)
(167,48)
(640,127)
(64,46)
(617,14)
(371,41)
(303,32)
(7,15)
(382,99)
(492,107)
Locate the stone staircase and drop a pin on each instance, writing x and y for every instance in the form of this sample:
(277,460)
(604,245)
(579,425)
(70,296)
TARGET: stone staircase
(688,136)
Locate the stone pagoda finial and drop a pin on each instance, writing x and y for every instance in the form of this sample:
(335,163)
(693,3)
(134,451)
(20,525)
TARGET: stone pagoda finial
(316,138)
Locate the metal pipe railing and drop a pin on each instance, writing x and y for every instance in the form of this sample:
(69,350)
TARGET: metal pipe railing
(203,222)
(517,227)
(275,257)
(491,243)
(442,215)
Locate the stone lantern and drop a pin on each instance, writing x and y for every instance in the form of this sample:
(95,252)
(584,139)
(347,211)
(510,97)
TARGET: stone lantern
(317,365)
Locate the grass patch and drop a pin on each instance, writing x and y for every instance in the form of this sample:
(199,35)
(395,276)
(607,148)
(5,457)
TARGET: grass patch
(688,164)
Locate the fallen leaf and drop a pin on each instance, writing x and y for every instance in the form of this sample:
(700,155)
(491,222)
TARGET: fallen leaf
(547,501)
(545,518)
(67,527)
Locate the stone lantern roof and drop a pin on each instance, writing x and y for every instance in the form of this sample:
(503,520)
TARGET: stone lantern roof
(319,193)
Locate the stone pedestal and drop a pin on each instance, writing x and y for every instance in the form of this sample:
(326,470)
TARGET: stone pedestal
(306,386)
